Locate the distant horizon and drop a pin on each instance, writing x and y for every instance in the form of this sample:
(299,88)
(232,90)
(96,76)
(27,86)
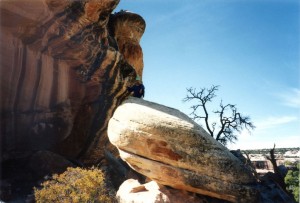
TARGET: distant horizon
(272,148)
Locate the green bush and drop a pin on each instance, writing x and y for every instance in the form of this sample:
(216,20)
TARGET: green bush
(292,182)
(74,185)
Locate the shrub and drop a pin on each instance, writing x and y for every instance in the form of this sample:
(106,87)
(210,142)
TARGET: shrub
(292,182)
(74,185)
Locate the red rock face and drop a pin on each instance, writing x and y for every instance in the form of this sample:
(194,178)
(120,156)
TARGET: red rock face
(128,32)
(64,69)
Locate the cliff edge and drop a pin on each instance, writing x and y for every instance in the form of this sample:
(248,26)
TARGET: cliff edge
(65,66)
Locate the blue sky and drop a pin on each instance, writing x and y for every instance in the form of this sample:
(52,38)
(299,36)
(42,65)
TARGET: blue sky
(250,48)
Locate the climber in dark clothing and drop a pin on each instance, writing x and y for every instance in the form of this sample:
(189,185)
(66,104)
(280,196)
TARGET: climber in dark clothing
(138,88)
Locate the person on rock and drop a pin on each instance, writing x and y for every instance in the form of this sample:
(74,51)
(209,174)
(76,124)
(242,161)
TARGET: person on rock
(138,89)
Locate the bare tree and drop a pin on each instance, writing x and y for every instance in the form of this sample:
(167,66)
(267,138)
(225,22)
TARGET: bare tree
(279,177)
(230,121)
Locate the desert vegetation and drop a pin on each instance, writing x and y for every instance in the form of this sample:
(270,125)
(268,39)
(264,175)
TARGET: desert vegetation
(292,182)
(74,185)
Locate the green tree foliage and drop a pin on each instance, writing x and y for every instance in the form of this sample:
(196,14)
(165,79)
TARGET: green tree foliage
(287,163)
(230,121)
(292,182)
(75,185)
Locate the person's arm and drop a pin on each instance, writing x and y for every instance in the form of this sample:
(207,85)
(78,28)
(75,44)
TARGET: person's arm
(143,88)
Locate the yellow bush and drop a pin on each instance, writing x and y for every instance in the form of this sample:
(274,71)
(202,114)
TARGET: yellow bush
(75,185)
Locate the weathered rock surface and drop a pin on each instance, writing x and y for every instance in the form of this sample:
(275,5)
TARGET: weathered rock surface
(131,191)
(168,147)
(64,69)
(128,32)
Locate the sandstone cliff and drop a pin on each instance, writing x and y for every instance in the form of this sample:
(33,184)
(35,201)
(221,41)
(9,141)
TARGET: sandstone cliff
(64,69)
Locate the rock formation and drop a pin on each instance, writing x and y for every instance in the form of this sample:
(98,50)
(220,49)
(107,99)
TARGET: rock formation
(168,147)
(132,191)
(64,69)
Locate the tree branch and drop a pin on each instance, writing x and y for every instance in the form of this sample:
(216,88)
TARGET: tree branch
(230,120)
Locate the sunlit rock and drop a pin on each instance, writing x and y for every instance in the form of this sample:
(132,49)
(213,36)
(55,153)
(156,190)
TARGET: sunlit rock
(167,146)
(131,191)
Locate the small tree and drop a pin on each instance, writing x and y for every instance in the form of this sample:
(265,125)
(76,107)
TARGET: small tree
(230,120)
(292,182)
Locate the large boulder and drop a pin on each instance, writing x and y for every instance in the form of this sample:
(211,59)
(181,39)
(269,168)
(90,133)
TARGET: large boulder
(131,191)
(167,146)
(64,68)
